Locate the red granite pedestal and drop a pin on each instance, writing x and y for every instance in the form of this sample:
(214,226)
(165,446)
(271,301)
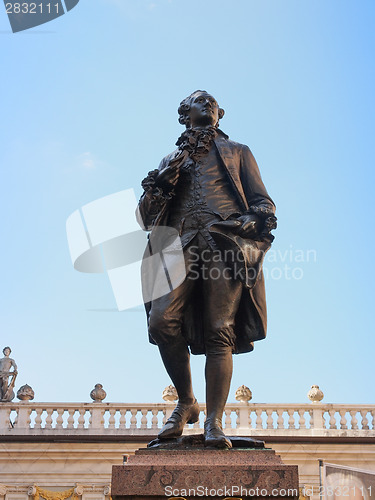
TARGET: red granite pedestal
(154,474)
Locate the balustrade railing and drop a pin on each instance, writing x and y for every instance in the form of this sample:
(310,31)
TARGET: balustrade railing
(58,419)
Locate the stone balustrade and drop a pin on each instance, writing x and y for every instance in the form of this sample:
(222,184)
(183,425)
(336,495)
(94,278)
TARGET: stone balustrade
(121,419)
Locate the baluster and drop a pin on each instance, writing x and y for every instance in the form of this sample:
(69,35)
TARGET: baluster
(122,420)
(133,418)
(89,422)
(81,418)
(154,419)
(49,421)
(269,421)
(354,421)
(365,425)
(38,418)
(59,418)
(112,420)
(280,420)
(237,419)
(70,419)
(144,419)
(28,420)
(311,415)
(342,420)
(302,420)
(372,413)
(332,420)
(258,421)
(228,419)
(102,421)
(292,422)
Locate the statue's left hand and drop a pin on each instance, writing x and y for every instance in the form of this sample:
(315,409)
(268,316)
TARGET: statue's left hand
(250,226)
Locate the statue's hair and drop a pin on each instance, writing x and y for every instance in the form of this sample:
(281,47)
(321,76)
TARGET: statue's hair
(7,347)
(184,108)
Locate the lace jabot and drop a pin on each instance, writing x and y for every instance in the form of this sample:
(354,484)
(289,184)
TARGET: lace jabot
(196,142)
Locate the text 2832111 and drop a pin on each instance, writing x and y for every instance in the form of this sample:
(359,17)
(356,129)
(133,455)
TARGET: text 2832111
(32,8)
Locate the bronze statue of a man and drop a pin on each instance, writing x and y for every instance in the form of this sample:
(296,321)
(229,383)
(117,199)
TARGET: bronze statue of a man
(211,192)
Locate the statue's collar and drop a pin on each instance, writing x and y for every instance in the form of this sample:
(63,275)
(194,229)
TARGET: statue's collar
(220,132)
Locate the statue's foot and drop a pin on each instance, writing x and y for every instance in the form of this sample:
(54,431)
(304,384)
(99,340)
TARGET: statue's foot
(181,415)
(214,435)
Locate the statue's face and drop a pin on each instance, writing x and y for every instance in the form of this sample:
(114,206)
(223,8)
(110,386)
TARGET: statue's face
(204,111)
(6,352)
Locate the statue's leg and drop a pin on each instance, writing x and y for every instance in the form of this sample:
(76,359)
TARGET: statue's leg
(218,371)
(222,299)
(165,323)
(176,359)
(3,386)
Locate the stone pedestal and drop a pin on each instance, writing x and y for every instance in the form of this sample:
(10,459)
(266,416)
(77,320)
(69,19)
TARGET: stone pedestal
(155,474)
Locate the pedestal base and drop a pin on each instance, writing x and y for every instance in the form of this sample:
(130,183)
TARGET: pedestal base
(155,474)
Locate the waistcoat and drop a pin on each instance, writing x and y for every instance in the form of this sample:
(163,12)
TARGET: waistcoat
(204,195)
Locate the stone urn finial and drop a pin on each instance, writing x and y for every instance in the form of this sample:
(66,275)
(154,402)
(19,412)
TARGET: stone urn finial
(243,394)
(25,393)
(315,394)
(170,393)
(98,393)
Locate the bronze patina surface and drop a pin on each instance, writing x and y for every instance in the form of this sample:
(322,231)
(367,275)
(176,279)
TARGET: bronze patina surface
(209,190)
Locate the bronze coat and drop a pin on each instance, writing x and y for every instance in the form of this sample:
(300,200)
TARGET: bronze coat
(244,176)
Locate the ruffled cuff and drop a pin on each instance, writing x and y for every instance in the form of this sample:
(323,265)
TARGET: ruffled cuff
(152,190)
(268,218)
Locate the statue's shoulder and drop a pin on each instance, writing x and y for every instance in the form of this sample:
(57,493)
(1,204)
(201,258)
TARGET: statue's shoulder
(237,145)
(164,162)
(223,139)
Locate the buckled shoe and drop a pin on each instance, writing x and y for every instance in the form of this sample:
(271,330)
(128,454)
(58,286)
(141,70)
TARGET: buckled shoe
(214,435)
(181,415)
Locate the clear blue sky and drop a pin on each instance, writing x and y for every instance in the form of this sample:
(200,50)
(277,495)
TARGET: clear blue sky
(89,106)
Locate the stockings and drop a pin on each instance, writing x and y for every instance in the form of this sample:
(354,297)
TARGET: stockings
(218,373)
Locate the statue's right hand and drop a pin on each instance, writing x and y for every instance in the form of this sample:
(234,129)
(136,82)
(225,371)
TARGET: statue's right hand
(168,177)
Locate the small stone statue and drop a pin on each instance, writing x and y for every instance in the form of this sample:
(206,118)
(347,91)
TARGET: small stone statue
(6,386)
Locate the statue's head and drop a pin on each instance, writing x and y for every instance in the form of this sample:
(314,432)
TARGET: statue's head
(7,350)
(200,109)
